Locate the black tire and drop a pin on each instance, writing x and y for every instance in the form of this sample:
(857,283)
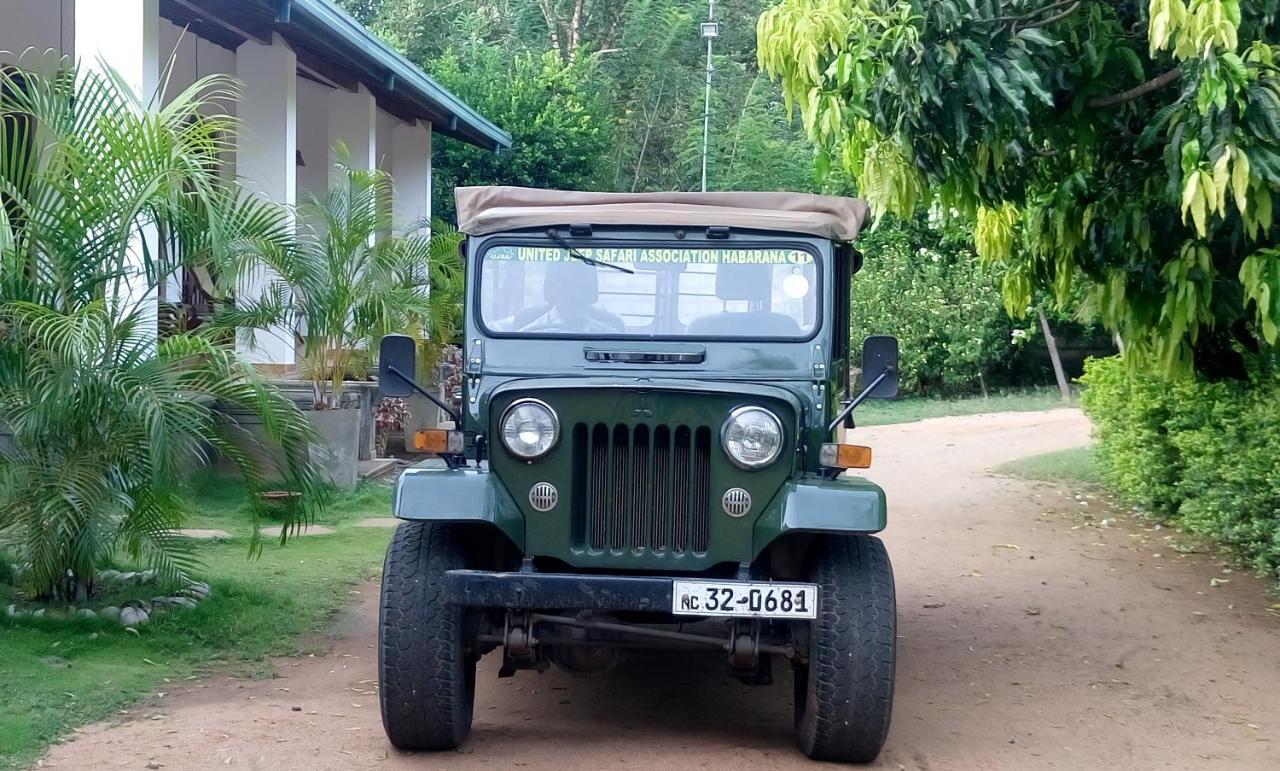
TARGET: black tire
(426,671)
(844,694)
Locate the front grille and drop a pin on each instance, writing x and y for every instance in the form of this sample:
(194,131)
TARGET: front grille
(642,488)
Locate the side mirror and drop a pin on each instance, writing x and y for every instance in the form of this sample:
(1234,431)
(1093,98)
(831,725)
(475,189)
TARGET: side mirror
(397,362)
(880,357)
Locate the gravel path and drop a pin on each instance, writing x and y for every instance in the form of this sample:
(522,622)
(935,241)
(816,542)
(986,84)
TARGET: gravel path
(1030,638)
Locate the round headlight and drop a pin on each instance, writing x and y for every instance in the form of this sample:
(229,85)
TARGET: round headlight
(530,429)
(752,437)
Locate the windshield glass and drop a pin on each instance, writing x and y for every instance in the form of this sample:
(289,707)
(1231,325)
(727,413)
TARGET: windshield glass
(650,291)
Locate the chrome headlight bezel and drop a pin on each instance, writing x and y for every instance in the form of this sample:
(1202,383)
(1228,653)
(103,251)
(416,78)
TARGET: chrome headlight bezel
(507,439)
(774,423)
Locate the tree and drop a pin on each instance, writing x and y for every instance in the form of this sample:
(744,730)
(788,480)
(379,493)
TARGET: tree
(924,284)
(106,417)
(1133,146)
(559,127)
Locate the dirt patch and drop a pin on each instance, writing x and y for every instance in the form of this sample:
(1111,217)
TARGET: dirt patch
(1032,636)
(203,534)
(274,531)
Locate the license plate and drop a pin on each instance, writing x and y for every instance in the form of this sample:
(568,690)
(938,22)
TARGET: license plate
(750,599)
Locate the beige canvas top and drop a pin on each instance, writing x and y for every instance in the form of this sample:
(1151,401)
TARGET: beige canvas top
(483,210)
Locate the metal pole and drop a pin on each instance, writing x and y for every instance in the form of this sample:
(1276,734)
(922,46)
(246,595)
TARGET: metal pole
(706,108)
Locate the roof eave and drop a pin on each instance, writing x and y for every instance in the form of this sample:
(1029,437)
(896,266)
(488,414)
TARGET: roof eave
(399,74)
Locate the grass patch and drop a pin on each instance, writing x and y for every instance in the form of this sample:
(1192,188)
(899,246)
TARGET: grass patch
(1077,466)
(58,675)
(876,412)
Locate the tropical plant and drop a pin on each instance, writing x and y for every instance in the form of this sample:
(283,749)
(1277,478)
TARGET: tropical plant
(343,283)
(1134,146)
(105,417)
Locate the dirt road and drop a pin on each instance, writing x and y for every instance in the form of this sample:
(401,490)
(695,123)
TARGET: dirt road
(1030,638)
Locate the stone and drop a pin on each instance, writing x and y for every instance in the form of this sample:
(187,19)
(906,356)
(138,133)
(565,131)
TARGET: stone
(131,616)
(86,613)
(11,611)
(39,613)
(185,602)
(111,613)
(108,576)
(126,578)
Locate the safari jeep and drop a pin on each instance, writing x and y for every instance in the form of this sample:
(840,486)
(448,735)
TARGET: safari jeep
(647,456)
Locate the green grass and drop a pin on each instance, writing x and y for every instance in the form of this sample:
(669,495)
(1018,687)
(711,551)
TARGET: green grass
(1077,466)
(61,674)
(907,410)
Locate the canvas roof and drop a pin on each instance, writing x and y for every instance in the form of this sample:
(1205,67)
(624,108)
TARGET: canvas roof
(484,210)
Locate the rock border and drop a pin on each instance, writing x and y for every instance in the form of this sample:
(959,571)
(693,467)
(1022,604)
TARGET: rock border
(134,613)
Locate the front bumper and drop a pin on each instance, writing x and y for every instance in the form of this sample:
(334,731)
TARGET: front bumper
(557,591)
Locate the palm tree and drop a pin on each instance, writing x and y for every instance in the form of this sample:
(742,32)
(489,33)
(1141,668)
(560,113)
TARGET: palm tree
(347,280)
(103,200)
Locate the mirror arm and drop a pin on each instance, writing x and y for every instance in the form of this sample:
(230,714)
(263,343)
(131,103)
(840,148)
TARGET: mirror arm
(859,399)
(457,419)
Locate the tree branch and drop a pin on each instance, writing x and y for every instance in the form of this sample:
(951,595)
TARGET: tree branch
(1052,19)
(1137,92)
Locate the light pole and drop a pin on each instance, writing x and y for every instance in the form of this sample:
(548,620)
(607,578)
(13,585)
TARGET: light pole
(710,31)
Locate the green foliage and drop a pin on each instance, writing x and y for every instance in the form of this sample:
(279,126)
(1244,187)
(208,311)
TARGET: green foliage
(1201,455)
(343,282)
(925,285)
(559,126)
(635,70)
(1132,146)
(103,414)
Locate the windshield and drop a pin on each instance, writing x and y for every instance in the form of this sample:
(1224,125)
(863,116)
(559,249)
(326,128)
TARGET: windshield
(650,291)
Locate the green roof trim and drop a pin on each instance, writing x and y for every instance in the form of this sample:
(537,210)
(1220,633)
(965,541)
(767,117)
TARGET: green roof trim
(399,74)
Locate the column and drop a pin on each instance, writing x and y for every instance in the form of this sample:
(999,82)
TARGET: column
(353,118)
(124,35)
(267,157)
(411,167)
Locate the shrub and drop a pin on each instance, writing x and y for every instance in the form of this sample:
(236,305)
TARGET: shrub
(1199,455)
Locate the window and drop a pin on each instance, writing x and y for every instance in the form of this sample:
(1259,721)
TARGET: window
(650,291)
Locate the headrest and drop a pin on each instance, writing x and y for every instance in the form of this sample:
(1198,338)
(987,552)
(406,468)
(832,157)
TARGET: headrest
(570,283)
(744,282)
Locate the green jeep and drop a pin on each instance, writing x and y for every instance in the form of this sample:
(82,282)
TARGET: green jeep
(646,457)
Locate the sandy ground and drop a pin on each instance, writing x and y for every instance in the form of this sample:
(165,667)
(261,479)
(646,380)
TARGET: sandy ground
(1030,638)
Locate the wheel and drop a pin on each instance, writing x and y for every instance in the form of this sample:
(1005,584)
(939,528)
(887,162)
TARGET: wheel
(844,693)
(426,669)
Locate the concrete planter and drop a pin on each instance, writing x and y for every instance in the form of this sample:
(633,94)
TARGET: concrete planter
(338,452)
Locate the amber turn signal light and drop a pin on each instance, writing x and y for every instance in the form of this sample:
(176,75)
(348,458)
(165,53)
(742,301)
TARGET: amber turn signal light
(439,441)
(845,456)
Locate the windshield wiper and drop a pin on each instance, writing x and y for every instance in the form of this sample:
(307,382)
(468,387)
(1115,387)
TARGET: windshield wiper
(577,255)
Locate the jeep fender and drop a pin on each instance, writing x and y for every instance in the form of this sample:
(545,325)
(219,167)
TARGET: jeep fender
(814,505)
(435,493)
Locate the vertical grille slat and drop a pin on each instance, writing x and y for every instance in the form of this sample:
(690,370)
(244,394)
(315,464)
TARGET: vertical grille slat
(647,488)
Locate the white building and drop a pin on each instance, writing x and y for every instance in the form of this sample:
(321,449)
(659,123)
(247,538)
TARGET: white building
(310,76)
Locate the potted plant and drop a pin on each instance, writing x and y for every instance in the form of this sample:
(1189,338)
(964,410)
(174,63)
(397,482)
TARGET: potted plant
(345,280)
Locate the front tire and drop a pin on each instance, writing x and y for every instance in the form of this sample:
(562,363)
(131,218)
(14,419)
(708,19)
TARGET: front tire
(844,693)
(426,670)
